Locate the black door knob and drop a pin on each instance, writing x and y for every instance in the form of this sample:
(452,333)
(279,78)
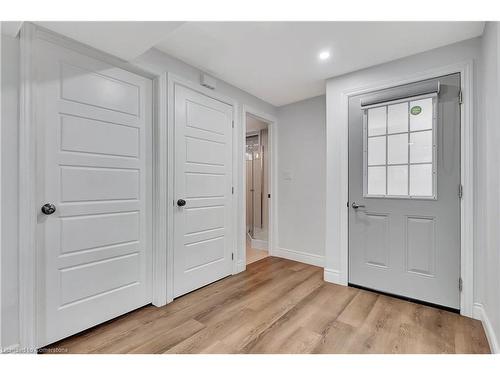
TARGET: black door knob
(48,209)
(181,202)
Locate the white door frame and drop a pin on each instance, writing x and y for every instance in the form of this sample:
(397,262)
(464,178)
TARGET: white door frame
(1,200)
(337,219)
(166,116)
(272,123)
(29,296)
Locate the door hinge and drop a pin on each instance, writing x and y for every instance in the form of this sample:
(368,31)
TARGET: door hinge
(460,191)
(232,256)
(232,124)
(460,97)
(460,284)
(232,189)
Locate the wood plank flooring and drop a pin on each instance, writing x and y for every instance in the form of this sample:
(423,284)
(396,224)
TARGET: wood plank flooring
(281,306)
(254,255)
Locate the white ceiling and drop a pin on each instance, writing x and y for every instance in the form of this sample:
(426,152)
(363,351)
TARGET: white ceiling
(275,61)
(125,40)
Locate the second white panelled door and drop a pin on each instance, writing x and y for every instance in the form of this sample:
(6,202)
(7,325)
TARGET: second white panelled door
(203,229)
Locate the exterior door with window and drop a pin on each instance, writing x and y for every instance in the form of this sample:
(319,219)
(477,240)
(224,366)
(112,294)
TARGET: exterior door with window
(404,183)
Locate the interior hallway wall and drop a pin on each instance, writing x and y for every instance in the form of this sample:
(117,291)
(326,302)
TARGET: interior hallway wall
(158,62)
(265,182)
(256,169)
(260,181)
(301,180)
(9,187)
(487,178)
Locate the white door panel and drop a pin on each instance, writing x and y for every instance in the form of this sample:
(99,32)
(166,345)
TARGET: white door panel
(203,178)
(94,156)
(96,184)
(99,88)
(84,232)
(97,137)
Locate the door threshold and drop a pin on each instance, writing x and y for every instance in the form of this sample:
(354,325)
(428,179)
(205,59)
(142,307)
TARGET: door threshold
(409,299)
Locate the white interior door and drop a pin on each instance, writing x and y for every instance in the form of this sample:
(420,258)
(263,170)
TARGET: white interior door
(203,181)
(94,158)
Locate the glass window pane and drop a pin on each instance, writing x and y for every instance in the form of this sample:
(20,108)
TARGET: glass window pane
(376,151)
(397,118)
(376,121)
(397,149)
(376,180)
(421,114)
(421,180)
(421,147)
(397,180)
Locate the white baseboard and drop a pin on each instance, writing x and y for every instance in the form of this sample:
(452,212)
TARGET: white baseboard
(258,244)
(332,276)
(240,266)
(478,312)
(299,256)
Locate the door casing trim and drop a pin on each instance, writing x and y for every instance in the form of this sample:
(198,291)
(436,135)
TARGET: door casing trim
(28,259)
(29,296)
(337,213)
(167,114)
(273,183)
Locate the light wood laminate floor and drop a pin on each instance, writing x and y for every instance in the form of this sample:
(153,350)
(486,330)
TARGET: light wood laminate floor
(253,255)
(281,306)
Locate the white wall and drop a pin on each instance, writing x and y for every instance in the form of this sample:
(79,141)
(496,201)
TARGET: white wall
(1,201)
(487,177)
(254,124)
(301,179)
(158,62)
(9,187)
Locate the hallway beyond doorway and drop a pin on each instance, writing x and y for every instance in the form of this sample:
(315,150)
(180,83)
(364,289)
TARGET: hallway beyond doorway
(253,255)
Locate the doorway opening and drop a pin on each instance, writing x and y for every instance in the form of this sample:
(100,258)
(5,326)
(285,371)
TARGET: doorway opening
(257,189)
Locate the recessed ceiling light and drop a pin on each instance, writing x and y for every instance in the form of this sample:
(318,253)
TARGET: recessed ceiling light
(324,55)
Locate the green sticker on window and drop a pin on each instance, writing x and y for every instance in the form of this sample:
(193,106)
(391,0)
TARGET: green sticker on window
(416,110)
